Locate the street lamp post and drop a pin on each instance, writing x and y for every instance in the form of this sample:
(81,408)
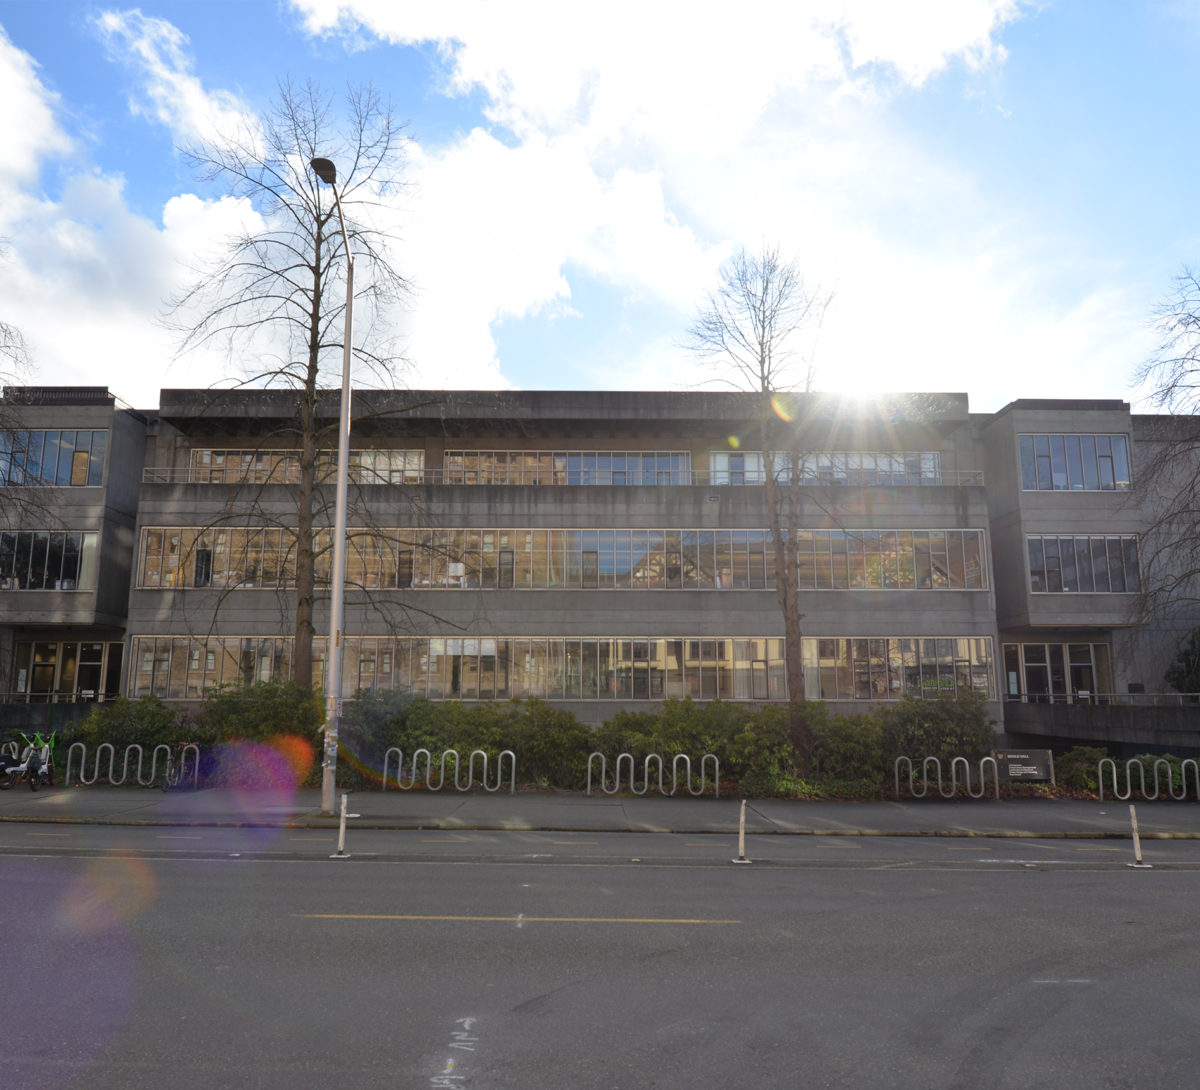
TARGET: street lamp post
(327,172)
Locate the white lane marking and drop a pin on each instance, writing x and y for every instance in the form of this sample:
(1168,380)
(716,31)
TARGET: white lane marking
(520,917)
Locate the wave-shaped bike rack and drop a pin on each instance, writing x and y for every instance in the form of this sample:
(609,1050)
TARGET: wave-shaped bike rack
(112,759)
(623,757)
(1142,778)
(399,777)
(955,762)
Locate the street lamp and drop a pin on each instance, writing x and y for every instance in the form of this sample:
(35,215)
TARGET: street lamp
(327,172)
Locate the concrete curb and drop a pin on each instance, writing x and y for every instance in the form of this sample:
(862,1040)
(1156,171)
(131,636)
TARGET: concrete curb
(999,834)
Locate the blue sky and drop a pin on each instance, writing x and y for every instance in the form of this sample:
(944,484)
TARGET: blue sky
(998,191)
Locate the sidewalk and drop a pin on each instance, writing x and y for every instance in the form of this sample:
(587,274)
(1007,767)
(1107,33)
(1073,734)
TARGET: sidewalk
(621,813)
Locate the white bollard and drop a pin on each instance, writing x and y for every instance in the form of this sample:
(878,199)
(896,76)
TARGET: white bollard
(341,852)
(742,837)
(1137,843)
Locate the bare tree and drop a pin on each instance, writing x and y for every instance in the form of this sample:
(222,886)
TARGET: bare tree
(1168,467)
(755,329)
(273,297)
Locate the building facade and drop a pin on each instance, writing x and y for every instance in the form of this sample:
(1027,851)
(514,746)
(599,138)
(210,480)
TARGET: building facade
(596,550)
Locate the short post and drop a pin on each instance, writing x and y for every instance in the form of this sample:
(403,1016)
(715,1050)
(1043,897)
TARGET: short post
(742,837)
(341,852)
(1137,843)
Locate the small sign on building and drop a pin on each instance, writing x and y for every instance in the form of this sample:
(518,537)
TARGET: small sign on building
(1026,765)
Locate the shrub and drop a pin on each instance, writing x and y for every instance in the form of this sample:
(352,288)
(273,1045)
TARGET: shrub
(145,722)
(1076,769)
(255,713)
(942,726)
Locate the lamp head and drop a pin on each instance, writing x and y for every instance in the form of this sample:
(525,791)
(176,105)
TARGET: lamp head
(325,170)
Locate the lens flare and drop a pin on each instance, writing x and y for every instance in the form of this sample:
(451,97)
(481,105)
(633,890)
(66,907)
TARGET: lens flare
(261,766)
(734,442)
(112,890)
(784,408)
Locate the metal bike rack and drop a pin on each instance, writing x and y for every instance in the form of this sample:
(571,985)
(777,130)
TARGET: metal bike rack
(984,762)
(442,773)
(703,763)
(112,757)
(1142,778)
(623,757)
(499,771)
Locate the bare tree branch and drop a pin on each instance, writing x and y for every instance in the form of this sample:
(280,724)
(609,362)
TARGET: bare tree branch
(757,331)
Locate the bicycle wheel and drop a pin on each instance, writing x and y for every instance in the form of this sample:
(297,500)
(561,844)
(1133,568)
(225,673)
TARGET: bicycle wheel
(8,779)
(35,780)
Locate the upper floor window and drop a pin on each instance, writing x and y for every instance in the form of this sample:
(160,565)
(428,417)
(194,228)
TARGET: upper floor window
(283,466)
(568,467)
(832,467)
(1074,463)
(1087,565)
(48,560)
(61,458)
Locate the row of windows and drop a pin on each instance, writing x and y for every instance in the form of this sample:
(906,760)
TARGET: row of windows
(47,560)
(568,467)
(610,668)
(1083,463)
(886,669)
(61,458)
(1057,673)
(1088,565)
(832,467)
(283,466)
(586,559)
(45,671)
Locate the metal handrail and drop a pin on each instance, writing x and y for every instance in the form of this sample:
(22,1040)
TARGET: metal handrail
(1134,699)
(852,478)
(983,763)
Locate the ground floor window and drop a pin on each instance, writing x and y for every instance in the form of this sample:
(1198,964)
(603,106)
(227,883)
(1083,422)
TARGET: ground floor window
(598,668)
(1057,673)
(49,672)
(879,668)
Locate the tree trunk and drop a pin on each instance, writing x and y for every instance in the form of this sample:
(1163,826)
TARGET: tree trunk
(787,579)
(302,653)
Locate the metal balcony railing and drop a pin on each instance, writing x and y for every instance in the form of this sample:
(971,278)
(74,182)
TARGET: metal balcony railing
(1167,700)
(855,478)
(85,697)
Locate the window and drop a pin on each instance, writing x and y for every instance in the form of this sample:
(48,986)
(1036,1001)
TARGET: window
(878,668)
(642,467)
(1058,673)
(1074,463)
(283,466)
(67,672)
(65,459)
(1084,565)
(641,668)
(48,560)
(525,559)
(832,467)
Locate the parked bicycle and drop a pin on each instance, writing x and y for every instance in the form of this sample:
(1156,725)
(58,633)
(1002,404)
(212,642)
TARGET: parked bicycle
(182,767)
(34,764)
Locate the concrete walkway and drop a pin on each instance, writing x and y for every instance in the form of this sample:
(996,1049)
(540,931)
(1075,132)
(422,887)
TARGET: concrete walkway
(619,813)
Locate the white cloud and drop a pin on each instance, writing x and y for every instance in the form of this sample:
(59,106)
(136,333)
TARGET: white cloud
(651,139)
(30,131)
(157,51)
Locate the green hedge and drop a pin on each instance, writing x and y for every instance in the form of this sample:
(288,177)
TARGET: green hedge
(846,755)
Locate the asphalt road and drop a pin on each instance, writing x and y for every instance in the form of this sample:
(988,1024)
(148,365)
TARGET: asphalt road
(247,958)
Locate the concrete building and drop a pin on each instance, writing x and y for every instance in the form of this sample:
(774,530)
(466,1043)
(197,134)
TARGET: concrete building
(598,550)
